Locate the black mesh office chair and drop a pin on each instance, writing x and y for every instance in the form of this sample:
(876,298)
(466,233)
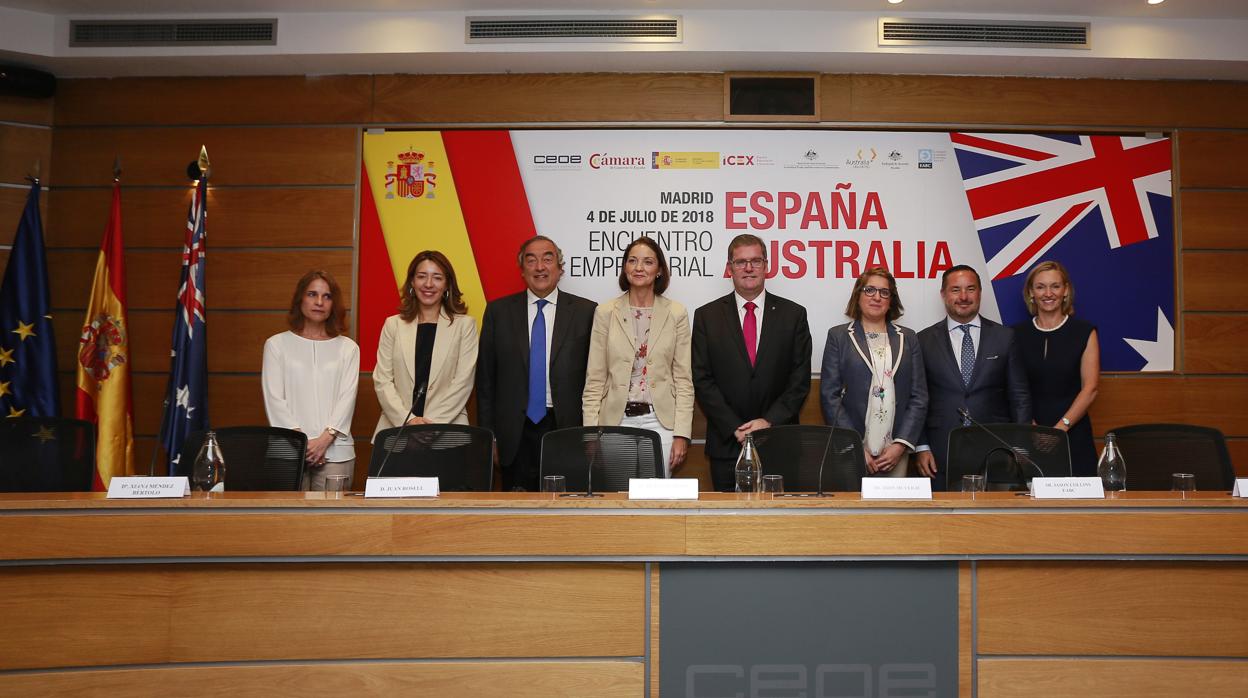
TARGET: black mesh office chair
(616,454)
(257,459)
(460,456)
(974,452)
(797,452)
(46,454)
(1154,452)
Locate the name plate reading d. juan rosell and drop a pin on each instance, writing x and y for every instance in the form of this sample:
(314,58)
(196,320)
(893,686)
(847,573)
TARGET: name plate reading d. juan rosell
(896,488)
(1241,487)
(148,487)
(401,487)
(660,488)
(1067,488)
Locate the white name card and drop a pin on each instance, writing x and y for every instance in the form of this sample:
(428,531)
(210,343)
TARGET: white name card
(401,487)
(896,488)
(1241,487)
(660,488)
(148,487)
(1067,488)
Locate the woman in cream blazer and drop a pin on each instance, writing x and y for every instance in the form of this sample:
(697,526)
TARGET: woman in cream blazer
(639,356)
(431,297)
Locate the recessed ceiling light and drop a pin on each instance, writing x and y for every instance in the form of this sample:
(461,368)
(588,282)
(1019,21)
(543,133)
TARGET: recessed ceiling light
(898,2)
(1151,2)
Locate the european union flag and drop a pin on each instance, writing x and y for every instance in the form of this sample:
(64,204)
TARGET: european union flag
(186,402)
(27,346)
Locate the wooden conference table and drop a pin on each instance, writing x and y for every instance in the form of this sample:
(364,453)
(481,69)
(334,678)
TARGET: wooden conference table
(510,594)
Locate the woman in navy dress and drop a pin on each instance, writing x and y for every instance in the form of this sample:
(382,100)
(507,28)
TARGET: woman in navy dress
(1062,359)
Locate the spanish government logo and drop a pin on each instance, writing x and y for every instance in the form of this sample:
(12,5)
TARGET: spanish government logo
(411,177)
(100,349)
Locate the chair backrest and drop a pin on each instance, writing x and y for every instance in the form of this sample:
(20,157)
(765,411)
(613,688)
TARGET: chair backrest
(257,459)
(972,450)
(797,451)
(46,454)
(460,456)
(615,453)
(1154,452)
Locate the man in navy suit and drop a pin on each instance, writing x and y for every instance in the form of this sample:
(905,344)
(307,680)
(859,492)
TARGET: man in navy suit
(971,362)
(746,378)
(525,391)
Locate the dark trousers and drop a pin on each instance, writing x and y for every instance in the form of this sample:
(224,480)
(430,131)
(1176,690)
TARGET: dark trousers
(723,474)
(523,474)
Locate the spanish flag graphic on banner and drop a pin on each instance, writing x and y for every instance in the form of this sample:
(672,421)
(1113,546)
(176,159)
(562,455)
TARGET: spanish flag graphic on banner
(104,358)
(458,192)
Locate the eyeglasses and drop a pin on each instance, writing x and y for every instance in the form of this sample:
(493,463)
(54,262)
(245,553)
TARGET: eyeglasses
(871,291)
(756,262)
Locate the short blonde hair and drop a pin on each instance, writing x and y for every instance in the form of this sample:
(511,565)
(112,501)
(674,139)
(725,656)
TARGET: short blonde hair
(1068,300)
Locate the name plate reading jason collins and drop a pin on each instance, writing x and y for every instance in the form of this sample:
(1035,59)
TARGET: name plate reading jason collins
(148,487)
(896,488)
(660,488)
(1067,488)
(401,487)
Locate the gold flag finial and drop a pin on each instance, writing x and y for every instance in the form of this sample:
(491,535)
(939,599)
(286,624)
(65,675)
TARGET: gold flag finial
(203,159)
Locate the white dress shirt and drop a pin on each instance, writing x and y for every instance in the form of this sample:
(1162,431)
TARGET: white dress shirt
(310,385)
(758,314)
(548,313)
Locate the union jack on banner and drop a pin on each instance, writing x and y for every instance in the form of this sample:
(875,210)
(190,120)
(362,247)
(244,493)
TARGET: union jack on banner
(186,397)
(1102,206)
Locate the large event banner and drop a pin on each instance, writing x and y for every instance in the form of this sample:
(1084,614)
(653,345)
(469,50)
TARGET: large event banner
(829,204)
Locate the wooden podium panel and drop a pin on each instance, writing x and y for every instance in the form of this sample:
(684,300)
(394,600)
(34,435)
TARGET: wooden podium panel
(1111,678)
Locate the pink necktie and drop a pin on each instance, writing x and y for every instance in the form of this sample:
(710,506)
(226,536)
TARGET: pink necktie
(750,328)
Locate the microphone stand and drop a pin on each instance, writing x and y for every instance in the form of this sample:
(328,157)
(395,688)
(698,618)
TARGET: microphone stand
(1019,457)
(589,476)
(420,393)
(840,403)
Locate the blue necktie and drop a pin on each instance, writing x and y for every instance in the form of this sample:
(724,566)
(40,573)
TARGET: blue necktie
(968,354)
(536,411)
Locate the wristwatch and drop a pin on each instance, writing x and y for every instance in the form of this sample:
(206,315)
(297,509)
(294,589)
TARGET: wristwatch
(1065,421)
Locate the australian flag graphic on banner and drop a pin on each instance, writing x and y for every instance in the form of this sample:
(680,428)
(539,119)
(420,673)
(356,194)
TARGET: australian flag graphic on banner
(1100,205)
(186,400)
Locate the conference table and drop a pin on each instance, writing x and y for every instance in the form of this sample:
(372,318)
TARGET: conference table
(513,594)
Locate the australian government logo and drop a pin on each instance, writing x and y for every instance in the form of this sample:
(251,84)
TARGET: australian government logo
(410,176)
(810,159)
(101,350)
(894,160)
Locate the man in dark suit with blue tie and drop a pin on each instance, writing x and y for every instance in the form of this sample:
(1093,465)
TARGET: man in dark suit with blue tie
(971,362)
(751,359)
(531,363)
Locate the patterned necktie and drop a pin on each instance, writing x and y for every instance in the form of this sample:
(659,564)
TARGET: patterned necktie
(968,354)
(750,329)
(536,410)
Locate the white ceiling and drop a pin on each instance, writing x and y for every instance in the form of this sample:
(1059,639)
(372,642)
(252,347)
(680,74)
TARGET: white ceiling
(1190,39)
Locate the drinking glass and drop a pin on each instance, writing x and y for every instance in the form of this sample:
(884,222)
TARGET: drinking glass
(973,484)
(1183,483)
(554,484)
(773,484)
(335,485)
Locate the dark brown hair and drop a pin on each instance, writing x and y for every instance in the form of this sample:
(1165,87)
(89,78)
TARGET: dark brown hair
(895,309)
(944,277)
(335,324)
(660,282)
(452,300)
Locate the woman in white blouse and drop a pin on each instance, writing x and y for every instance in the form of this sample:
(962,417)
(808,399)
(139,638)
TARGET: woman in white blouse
(310,377)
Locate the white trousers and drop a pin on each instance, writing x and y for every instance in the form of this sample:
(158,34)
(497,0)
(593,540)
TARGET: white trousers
(651,422)
(314,476)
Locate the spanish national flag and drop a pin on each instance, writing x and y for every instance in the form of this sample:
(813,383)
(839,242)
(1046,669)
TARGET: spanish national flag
(104,358)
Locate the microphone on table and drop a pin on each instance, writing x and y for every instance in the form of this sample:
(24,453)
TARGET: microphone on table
(1019,456)
(416,398)
(589,475)
(840,405)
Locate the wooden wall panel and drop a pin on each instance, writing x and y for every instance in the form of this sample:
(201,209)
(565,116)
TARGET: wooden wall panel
(1215,219)
(70,616)
(601,679)
(1215,343)
(1220,402)
(236,279)
(1215,281)
(26,110)
(22,146)
(1213,158)
(1152,609)
(605,97)
(1239,455)
(233,400)
(1111,678)
(239,156)
(269,217)
(1027,102)
(328,99)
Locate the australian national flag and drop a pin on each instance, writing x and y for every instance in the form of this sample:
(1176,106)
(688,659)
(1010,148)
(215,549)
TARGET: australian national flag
(186,402)
(1100,205)
(27,347)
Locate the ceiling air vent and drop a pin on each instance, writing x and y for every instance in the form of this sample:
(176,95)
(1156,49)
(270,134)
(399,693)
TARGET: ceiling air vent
(648,29)
(969,32)
(169,32)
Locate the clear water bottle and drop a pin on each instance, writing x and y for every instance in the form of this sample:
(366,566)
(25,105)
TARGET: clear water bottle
(749,469)
(1112,467)
(209,472)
